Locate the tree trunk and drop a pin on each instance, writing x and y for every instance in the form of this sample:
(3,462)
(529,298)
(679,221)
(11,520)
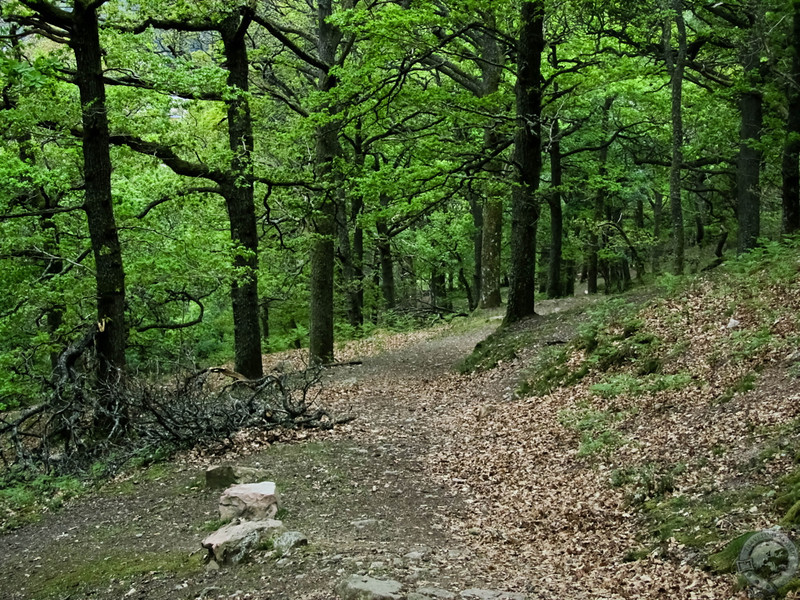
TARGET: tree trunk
(658,211)
(528,163)
(676,64)
(356,290)
(491,244)
(322,250)
(554,289)
(491,247)
(387,272)
(384,245)
(592,266)
(112,330)
(477,240)
(748,168)
(438,289)
(790,171)
(238,193)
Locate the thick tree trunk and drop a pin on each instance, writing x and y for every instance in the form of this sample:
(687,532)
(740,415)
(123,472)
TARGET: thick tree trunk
(112,330)
(748,168)
(321,284)
(492,221)
(238,194)
(528,163)
(790,171)
(676,63)
(322,250)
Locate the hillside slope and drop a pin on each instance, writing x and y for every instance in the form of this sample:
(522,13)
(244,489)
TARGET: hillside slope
(642,448)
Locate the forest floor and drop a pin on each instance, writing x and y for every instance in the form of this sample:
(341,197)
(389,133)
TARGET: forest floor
(443,479)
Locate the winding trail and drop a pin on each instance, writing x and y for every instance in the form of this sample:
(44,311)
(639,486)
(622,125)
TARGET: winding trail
(381,496)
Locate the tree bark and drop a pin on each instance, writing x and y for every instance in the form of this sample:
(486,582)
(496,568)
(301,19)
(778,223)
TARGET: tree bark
(658,210)
(477,241)
(112,329)
(491,252)
(323,250)
(748,168)
(356,289)
(790,171)
(492,220)
(528,163)
(554,284)
(238,193)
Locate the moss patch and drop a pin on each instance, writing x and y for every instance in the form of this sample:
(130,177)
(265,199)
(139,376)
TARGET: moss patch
(78,578)
(502,345)
(725,560)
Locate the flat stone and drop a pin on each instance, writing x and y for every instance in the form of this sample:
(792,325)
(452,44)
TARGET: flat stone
(414,555)
(255,501)
(477,594)
(362,587)
(288,541)
(430,593)
(231,543)
(223,476)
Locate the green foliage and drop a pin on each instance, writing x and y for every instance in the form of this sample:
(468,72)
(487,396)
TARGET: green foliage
(647,481)
(724,561)
(25,496)
(615,385)
(502,345)
(596,428)
(692,521)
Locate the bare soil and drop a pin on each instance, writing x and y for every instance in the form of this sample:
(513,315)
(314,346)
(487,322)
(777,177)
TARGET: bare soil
(417,488)
(361,494)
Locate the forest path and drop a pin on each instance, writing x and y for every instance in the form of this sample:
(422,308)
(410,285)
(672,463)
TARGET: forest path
(365,494)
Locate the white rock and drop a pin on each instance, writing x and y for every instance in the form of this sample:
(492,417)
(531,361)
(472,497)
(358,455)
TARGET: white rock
(255,501)
(288,541)
(733,323)
(231,543)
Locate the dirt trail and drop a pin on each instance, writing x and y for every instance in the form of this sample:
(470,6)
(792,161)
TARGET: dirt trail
(363,496)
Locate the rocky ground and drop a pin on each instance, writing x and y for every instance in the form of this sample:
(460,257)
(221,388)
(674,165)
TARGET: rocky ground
(442,481)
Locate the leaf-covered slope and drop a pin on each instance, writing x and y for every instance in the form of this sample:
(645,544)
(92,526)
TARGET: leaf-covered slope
(660,436)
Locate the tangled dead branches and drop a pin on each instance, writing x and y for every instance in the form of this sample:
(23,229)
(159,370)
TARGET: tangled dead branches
(83,421)
(203,410)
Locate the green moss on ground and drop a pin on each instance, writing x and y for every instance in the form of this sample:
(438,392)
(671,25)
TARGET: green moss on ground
(725,560)
(502,345)
(77,578)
